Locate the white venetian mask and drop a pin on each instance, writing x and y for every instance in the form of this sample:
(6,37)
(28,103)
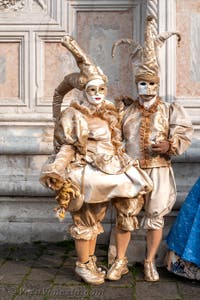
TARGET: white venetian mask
(95,91)
(147,88)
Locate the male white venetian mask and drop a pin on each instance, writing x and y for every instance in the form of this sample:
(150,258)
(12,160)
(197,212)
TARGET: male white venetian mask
(147,90)
(95,91)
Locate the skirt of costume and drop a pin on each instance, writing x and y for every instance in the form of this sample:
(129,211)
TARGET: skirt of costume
(184,237)
(98,186)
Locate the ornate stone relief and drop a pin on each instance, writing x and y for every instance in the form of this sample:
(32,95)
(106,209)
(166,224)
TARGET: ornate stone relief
(152,9)
(41,3)
(12,4)
(18,4)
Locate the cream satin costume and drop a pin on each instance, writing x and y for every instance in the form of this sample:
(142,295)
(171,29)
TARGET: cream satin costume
(153,132)
(162,121)
(149,120)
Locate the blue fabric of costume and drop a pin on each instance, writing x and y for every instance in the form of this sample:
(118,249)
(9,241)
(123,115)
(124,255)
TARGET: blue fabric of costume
(184,236)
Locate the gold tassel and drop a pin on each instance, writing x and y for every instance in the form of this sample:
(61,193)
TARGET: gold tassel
(69,191)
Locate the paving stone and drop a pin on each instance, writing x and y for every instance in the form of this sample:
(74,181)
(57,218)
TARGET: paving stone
(157,290)
(188,297)
(13,272)
(2,261)
(42,274)
(109,293)
(48,260)
(5,250)
(71,253)
(7,291)
(125,281)
(11,279)
(55,250)
(70,261)
(99,292)
(66,276)
(14,267)
(189,288)
(25,252)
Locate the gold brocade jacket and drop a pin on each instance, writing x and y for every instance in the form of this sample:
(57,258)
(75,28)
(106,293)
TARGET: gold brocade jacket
(163,121)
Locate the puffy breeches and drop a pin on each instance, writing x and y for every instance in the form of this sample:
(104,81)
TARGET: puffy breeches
(160,201)
(87,220)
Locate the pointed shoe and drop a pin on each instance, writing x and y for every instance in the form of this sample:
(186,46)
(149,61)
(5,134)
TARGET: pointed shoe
(87,273)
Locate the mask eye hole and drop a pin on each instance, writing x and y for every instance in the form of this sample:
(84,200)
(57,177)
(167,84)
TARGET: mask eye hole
(91,89)
(143,83)
(152,83)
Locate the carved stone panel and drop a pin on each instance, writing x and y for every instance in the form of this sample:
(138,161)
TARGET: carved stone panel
(101,30)
(9,70)
(187,63)
(188,74)
(53,63)
(35,12)
(13,70)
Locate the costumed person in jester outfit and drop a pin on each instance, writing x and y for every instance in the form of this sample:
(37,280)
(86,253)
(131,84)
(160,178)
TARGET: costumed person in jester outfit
(154,131)
(183,240)
(89,167)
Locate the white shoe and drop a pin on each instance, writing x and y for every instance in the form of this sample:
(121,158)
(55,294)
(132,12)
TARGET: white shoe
(87,273)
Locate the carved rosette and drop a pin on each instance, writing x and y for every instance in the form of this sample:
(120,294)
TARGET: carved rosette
(12,4)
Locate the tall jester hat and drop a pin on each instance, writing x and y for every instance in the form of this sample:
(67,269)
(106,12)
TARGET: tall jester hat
(145,59)
(88,72)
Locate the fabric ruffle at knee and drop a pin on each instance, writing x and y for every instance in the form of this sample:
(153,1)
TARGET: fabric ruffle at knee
(127,222)
(86,233)
(152,222)
(127,211)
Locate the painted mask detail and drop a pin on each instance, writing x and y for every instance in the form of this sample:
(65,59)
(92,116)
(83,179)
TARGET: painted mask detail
(147,88)
(96,91)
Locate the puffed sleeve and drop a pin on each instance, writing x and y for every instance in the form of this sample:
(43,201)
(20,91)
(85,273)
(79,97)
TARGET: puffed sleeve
(71,129)
(70,137)
(55,166)
(181,130)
